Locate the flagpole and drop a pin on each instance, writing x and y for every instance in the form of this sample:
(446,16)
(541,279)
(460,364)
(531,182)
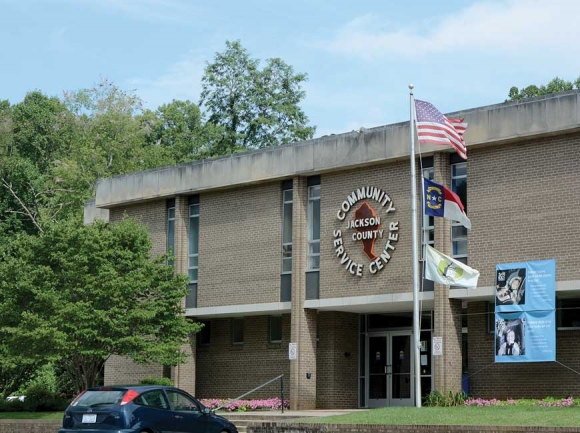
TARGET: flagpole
(416,312)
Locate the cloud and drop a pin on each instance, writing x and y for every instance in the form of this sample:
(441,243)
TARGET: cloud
(503,27)
(181,81)
(58,41)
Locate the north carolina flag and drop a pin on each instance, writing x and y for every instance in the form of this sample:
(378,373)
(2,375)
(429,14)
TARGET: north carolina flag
(442,202)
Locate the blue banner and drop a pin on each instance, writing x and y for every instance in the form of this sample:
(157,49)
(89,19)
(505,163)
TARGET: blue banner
(525,337)
(526,286)
(525,312)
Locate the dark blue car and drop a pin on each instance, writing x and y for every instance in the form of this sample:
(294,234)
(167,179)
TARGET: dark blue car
(141,409)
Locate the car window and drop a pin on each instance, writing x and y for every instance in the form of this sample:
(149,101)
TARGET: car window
(153,399)
(99,398)
(182,402)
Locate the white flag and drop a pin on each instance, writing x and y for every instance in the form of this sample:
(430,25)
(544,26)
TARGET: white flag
(445,270)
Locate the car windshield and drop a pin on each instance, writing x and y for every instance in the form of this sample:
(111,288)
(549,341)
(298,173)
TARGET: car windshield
(99,398)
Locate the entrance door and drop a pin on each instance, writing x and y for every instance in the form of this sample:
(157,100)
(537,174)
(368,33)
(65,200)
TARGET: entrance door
(390,362)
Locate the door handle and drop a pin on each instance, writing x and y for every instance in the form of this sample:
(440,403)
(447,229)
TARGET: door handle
(178,417)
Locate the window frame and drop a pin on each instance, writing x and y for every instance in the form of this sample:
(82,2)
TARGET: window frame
(278,320)
(170,232)
(207,329)
(461,239)
(559,309)
(287,255)
(313,243)
(192,255)
(234,321)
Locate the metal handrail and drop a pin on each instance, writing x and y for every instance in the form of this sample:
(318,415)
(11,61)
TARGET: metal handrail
(281,377)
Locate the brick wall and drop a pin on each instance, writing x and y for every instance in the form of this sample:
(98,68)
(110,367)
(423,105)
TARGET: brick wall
(123,371)
(225,370)
(396,277)
(523,203)
(153,215)
(240,240)
(337,361)
(519,380)
(447,312)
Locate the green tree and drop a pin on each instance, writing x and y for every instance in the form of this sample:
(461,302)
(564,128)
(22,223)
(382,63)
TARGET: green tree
(253,107)
(80,293)
(111,137)
(557,85)
(179,127)
(6,129)
(42,130)
(34,135)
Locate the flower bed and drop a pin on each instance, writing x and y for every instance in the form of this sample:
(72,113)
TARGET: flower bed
(547,402)
(245,405)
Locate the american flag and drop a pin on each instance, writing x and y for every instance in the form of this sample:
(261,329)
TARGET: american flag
(433,127)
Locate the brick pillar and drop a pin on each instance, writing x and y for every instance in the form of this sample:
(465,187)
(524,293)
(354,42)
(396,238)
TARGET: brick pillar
(303,322)
(447,367)
(183,375)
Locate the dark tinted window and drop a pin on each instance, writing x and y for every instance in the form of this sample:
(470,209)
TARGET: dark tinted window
(568,313)
(153,399)
(238,331)
(275,329)
(203,337)
(100,398)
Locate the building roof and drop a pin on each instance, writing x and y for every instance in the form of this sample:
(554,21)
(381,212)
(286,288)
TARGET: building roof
(492,124)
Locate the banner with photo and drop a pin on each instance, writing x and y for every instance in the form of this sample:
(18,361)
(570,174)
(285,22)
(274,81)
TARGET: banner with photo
(526,286)
(525,312)
(525,336)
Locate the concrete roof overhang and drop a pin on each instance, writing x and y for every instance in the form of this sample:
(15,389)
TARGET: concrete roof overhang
(489,125)
(371,304)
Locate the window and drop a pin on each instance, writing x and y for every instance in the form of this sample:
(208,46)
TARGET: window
(203,336)
(170,231)
(182,402)
(568,314)
(287,207)
(275,329)
(238,331)
(313,228)
(313,252)
(458,232)
(427,234)
(193,251)
(154,399)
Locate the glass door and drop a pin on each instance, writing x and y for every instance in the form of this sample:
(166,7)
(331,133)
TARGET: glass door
(377,371)
(399,372)
(390,367)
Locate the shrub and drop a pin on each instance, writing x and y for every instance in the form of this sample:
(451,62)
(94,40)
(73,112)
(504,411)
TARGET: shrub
(11,406)
(161,381)
(38,398)
(440,399)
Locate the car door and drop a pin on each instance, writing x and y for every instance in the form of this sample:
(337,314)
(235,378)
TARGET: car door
(186,412)
(153,411)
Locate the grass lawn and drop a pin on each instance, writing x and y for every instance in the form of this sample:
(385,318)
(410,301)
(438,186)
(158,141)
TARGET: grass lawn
(462,415)
(31,415)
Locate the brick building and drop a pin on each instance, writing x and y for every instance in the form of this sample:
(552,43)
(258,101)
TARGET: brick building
(268,242)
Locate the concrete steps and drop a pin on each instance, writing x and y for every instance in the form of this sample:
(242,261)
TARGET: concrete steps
(243,419)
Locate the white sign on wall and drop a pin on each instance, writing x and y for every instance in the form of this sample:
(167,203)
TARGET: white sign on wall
(437,346)
(292,351)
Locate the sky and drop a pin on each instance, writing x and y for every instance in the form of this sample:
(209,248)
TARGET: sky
(360,56)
